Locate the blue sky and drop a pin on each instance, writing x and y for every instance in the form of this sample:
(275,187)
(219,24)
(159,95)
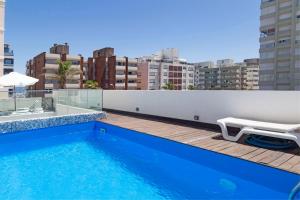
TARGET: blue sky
(200,29)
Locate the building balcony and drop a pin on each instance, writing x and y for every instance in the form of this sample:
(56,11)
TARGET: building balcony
(76,77)
(285,21)
(132,84)
(132,76)
(52,56)
(51,66)
(286,33)
(49,86)
(120,85)
(267,4)
(9,66)
(120,68)
(9,54)
(265,39)
(73,85)
(120,76)
(132,69)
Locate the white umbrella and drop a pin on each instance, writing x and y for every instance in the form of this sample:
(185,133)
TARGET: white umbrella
(16,79)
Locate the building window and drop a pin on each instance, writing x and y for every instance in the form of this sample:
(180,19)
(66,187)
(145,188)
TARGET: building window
(8,61)
(153,66)
(7,71)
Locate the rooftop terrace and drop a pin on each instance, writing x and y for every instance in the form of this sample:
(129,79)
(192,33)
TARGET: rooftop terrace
(209,139)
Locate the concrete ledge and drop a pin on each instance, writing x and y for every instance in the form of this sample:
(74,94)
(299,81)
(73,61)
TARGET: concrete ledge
(30,124)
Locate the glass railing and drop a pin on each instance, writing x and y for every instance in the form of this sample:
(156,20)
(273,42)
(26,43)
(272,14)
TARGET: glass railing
(25,102)
(48,102)
(83,98)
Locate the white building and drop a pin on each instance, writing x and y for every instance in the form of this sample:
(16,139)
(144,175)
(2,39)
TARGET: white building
(126,73)
(225,63)
(2,14)
(199,73)
(155,72)
(227,75)
(8,59)
(280,45)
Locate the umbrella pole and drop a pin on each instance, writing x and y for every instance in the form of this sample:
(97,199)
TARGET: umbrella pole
(15,98)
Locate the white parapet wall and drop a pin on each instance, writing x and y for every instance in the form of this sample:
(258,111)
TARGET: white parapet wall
(272,106)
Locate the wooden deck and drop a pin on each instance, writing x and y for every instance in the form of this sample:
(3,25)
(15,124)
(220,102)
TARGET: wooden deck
(207,139)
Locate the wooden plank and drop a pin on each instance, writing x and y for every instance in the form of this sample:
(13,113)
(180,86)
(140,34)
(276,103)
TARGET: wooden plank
(272,157)
(238,150)
(282,159)
(264,155)
(253,154)
(208,143)
(222,146)
(290,163)
(185,136)
(296,168)
(196,139)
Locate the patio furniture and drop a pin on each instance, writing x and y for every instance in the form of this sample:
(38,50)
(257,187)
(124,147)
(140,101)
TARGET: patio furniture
(282,131)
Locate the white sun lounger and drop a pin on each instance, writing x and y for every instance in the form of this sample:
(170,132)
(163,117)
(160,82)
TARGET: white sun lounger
(283,131)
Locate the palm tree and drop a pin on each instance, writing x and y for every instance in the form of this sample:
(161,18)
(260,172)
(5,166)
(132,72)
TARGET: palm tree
(191,87)
(168,86)
(91,84)
(65,72)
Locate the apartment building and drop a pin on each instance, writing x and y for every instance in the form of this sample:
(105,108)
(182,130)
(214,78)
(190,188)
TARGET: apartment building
(199,74)
(8,59)
(280,45)
(155,71)
(110,71)
(227,75)
(250,74)
(44,66)
(2,14)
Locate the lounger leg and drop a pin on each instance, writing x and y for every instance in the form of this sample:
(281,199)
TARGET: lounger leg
(226,135)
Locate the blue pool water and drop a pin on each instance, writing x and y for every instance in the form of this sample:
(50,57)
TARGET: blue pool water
(99,161)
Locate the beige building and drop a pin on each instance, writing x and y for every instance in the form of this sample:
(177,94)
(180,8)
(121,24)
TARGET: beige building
(126,73)
(45,65)
(250,74)
(280,45)
(227,75)
(154,72)
(2,14)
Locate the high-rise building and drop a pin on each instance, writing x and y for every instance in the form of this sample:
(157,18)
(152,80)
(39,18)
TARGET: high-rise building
(250,74)
(155,71)
(199,74)
(227,75)
(8,59)
(2,14)
(110,71)
(45,65)
(280,45)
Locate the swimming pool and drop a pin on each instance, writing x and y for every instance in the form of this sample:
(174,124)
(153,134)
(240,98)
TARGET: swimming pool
(96,160)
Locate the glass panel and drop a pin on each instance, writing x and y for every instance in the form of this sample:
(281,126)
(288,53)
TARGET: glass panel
(88,99)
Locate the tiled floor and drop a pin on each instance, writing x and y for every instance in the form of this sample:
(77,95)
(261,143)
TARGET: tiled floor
(207,139)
